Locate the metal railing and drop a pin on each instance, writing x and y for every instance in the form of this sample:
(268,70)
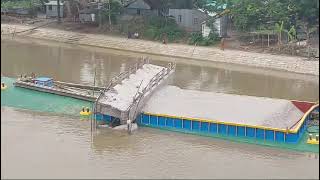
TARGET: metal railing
(140,93)
(153,81)
(133,69)
(119,78)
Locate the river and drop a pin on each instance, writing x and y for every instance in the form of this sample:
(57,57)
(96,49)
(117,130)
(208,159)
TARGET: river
(44,145)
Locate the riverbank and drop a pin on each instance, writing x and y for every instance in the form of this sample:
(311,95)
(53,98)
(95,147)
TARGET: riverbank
(260,60)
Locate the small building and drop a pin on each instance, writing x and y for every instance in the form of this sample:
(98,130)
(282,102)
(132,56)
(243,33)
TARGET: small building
(88,16)
(142,8)
(195,20)
(52,9)
(189,19)
(91,13)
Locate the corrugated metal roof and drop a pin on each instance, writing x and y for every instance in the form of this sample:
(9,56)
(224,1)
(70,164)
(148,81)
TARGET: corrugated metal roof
(43,79)
(154,4)
(54,3)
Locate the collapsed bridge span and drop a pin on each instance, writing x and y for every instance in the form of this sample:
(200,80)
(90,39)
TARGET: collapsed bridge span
(126,94)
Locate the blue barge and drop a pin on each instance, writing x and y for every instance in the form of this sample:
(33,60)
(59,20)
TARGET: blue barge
(142,96)
(287,130)
(212,127)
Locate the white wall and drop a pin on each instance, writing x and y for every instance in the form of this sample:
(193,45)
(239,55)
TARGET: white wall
(206,30)
(188,18)
(54,11)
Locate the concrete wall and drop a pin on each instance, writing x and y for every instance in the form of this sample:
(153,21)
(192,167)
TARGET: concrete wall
(189,19)
(54,11)
(84,17)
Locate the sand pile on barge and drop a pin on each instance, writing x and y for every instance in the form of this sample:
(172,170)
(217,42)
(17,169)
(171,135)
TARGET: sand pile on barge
(260,111)
(121,97)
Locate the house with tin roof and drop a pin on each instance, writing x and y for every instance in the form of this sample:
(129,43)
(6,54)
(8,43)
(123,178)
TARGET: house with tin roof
(143,7)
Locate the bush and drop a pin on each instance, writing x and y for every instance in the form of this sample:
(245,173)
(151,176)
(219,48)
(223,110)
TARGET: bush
(151,33)
(173,33)
(158,27)
(20,4)
(115,11)
(198,39)
(195,38)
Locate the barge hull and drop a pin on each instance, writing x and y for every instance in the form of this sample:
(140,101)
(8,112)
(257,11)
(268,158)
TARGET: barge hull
(229,129)
(210,127)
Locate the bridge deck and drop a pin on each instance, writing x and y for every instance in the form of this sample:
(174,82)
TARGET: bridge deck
(127,93)
(121,96)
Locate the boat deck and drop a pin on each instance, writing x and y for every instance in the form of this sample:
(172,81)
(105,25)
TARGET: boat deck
(61,89)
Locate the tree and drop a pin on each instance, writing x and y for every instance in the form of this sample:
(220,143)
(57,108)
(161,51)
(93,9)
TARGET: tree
(181,4)
(58,9)
(292,34)
(111,10)
(307,28)
(279,29)
(308,16)
(165,4)
(219,8)
(257,14)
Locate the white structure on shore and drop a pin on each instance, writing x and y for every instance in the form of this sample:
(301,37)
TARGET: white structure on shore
(52,9)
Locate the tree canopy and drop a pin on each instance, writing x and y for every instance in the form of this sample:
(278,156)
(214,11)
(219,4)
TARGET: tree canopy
(263,14)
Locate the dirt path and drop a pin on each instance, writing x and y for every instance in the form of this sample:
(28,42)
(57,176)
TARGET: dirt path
(261,60)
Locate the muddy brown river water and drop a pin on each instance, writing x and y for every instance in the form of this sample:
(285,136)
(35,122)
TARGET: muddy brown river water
(43,145)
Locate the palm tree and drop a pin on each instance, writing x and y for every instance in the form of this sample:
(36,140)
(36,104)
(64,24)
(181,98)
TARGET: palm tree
(279,29)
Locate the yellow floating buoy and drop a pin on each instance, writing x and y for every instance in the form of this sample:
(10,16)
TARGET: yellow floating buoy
(86,112)
(3,86)
(312,140)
